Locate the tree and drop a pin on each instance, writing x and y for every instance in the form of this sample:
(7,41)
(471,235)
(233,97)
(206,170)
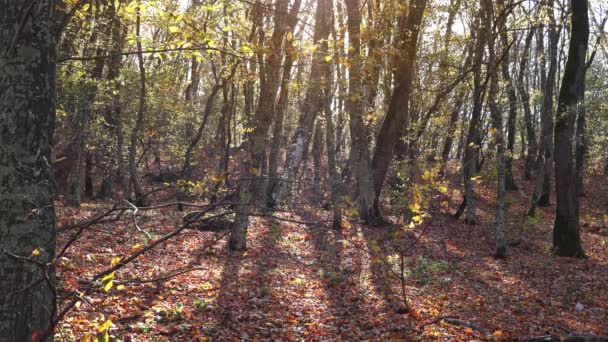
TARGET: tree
(473,141)
(138,194)
(398,110)
(312,103)
(566,234)
(252,165)
(360,153)
(27,217)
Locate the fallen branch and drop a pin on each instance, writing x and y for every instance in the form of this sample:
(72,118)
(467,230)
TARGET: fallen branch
(456,321)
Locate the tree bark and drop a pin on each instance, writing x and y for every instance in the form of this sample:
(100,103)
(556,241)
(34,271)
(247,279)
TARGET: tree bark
(281,107)
(497,136)
(566,234)
(138,194)
(251,166)
(359,145)
(512,97)
(312,104)
(473,141)
(545,172)
(27,217)
(525,100)
(398,110)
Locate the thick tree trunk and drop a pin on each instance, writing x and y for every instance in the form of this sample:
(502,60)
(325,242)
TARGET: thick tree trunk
(397,115)
(360,154)
(27,217)
(566,234)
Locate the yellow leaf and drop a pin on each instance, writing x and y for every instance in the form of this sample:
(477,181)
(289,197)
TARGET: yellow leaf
(108,285)
(120,287)
(254,171)
(328,58)
(104,327)
(135,247)
(174,29)
(36,252)
(88,338)
(498,334)
(289,36)
(219,178)
(443,189)
(115,261)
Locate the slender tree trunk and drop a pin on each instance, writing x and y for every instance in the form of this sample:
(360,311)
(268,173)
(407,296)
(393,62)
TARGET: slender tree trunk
(566,234)
(281,106)
(581,144)
(543,187)
(525,99)
(497,136)
(512,97)
(138,194)
(27,217)
(473,141)
(311,106)
(317,150)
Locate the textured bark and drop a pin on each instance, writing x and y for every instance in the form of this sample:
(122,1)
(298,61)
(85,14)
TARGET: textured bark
(317,150)
(566,234)
(281,107)
(497,138)
(525,100)
(27,217)
(473,141)
(112,110)
(360,153)
(545,172)
(312,103)
(397,114)
(138,194)
(512,97)
(251,166)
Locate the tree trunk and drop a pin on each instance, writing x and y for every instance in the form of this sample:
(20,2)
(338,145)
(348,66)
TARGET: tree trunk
(525,99)
(317,150)
(543,188)
(27,217)
(397,115)
(512,97)
(138,194)
(473,141)
(281,107)
(566,234)
(497,137)
(251,166)
(312,103)
(359,145)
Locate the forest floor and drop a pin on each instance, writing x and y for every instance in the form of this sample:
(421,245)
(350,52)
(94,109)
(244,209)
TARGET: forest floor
(309,282)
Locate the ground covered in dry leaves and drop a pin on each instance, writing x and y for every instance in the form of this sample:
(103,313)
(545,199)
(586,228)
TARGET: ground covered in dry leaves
(309,282)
